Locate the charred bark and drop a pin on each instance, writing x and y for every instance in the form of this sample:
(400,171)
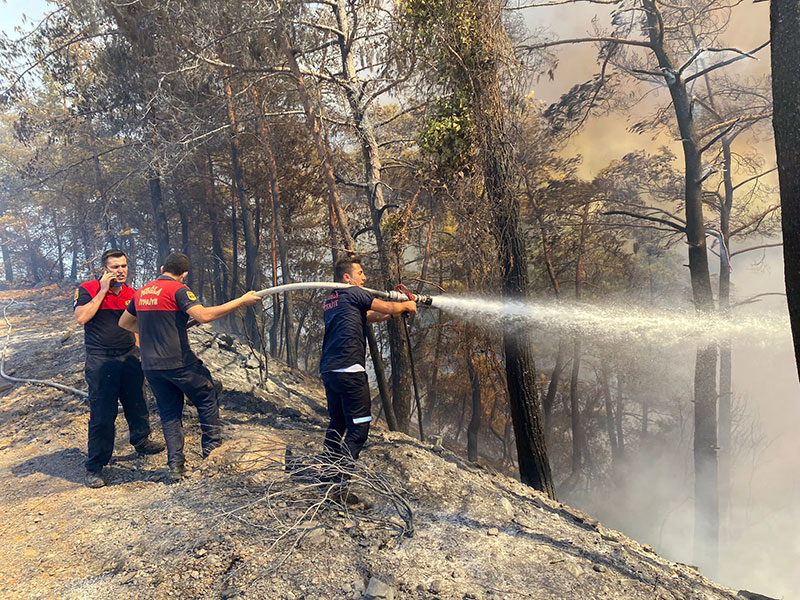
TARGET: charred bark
(159,217)
(705,418)
(218,266)
(495,150)
(785,36)
(250,244)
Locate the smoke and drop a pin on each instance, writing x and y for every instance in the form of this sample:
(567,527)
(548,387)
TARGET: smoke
(650,494)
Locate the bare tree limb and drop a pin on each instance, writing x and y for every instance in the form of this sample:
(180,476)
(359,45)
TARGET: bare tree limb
(623,41)
(666,222)
(558,3)
(754,177)
(759,247)
(742,119)
(755,298)
(725,63)
(756,221)
(329,28)
(694,57)
(721,134)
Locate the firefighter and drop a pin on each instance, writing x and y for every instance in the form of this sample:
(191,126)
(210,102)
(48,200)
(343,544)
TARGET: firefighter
(113,371)
(159,312)
(346,313)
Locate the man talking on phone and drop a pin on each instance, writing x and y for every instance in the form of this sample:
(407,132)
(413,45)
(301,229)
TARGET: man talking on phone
(113,371)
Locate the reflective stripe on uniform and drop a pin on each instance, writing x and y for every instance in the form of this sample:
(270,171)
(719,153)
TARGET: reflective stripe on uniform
(360,420)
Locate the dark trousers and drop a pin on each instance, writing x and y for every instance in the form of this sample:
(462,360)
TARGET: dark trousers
(112,379)
(349,411)
(168,387)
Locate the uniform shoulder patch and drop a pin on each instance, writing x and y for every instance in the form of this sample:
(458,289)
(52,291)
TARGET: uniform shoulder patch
(191,296)
(77,291)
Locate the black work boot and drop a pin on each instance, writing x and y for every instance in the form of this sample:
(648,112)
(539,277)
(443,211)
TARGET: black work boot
(176,473)
(94,479)
(150,447)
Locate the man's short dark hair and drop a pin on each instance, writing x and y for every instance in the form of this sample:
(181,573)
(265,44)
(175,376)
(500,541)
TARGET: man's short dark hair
(113,253)
(344,265)
(177,263)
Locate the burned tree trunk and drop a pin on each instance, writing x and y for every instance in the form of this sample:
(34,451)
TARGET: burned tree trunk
(159,217)
(219,268)
(250,244)
(324,155)
(7,265)
(785,36)
(706,538)
(279,231)
(388,255)
(474,427)
(496,155)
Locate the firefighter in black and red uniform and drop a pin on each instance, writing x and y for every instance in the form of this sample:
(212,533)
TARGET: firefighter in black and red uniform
(159,312)
(113,371)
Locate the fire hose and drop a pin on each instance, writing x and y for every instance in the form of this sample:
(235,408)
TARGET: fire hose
(3,373)
(391,295)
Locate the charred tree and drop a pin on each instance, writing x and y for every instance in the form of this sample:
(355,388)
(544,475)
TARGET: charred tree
(785,36)
(250,243)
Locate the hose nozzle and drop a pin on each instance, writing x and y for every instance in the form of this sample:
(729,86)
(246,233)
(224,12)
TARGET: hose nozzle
(406,294)
(395,296)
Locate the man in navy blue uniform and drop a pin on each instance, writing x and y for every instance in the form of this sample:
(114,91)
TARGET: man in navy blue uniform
(159,312)
(347,312)
(113,371)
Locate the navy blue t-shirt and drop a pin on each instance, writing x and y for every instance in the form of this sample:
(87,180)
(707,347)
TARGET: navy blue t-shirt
(345,343)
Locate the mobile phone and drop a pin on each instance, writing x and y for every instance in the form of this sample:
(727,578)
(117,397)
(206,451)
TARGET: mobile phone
(114,282)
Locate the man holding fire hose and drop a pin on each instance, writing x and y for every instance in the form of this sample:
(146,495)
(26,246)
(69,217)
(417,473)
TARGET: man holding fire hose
(159,312)
(347,312)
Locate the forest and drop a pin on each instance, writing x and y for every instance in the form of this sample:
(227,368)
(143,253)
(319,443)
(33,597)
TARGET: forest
(265,139)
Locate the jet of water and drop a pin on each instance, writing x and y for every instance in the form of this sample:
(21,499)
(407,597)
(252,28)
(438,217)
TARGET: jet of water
(615,322)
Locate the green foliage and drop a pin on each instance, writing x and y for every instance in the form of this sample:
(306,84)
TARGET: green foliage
(393,229)
(433,21)
(447,135)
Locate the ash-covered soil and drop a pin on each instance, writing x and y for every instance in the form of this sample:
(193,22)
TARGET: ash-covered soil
(423,521)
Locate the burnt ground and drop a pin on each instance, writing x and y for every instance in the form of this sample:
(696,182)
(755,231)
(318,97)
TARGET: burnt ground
(422,520)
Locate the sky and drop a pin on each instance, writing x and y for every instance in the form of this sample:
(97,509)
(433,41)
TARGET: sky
(13,12)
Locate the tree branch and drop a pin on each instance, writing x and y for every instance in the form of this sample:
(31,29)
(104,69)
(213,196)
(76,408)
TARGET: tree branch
(756,221)
(558,3)
(759,247)
(333,30)
(725,63)
(623,41)
(749,179)
(755,298)
(717,137)
(666,222)
(745,119)
(75,40)
(701,50)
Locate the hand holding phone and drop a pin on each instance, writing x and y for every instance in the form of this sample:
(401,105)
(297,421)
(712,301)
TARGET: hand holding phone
(107,279)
